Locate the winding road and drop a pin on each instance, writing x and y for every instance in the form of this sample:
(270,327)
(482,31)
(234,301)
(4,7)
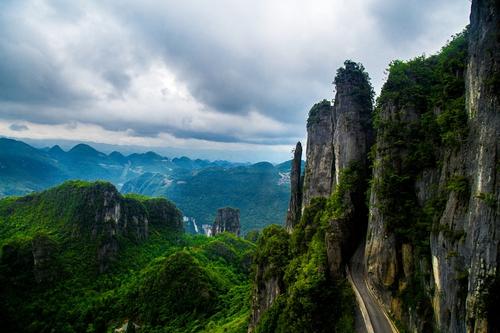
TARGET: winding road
(374,317)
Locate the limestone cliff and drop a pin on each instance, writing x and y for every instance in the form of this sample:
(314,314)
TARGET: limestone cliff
(319,172)
(483,222)
(432,248)
(94,218)
(295,205)
(332,221)
(270,262)
(227,219)
(352,139)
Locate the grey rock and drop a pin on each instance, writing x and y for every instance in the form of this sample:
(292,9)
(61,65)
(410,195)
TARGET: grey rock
(295,205)
(227,219)
(319,170)
(465,243)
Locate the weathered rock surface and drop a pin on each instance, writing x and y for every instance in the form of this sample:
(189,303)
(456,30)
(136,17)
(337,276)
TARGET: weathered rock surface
(483,108)
(353,133)
(346,177)
(432,250)
(352,139)
(115,216)
(455,280)
(269,262)
(227,219)
(295,205)
(319,172)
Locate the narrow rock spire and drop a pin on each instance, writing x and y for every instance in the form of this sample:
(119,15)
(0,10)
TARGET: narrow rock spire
(295,206)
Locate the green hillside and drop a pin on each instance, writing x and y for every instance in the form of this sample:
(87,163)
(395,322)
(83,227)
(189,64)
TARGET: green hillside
(198,187)
(260,191)
(81,257)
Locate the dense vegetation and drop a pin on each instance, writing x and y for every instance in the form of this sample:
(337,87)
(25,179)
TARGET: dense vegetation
(420,110)
(51,244)
(258,190)
(313,299)
(355,79)
(433,89)
(197,187)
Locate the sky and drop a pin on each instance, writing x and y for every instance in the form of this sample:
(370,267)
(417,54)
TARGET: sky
(225,79)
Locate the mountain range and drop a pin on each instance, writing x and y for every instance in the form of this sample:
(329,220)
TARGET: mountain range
(198,187)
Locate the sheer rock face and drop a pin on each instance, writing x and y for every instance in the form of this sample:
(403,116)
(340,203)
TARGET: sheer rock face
(388,272)
(483,162)
(352,139)
(295,206)
(115,215)
(263,297)
(227,219)
(465,241)
(353,134)
(319,170)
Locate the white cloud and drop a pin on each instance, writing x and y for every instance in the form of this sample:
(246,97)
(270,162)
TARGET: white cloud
(221,73)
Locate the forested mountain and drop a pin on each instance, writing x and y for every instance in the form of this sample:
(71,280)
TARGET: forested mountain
(198,187)
(81,257)
(400,201)
(392,226)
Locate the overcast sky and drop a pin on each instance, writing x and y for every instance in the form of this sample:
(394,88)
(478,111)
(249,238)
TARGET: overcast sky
(233,78)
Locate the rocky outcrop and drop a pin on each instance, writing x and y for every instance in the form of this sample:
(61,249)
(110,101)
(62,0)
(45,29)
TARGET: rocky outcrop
(319,172)
(227,219)
(352,139)
(43,249)
(433,246)
(270,260)
(432,251)
(353,134)
(483,222)
(295,205)
(107,215)
(333,215)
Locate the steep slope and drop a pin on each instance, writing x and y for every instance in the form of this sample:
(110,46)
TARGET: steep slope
(81,257)
(299,281)
(432,249)
(319,172)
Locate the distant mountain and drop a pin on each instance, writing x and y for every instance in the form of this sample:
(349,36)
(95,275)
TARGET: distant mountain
(261,192)
(24,169)
(197,186)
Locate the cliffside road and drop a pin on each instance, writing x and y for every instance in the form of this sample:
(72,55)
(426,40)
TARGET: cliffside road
(375,319)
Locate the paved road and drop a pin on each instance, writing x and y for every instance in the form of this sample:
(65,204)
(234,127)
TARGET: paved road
(378,322)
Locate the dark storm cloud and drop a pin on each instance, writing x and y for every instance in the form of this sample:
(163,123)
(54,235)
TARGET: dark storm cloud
(18,127)
(228,71)
(402,22)
(199,41)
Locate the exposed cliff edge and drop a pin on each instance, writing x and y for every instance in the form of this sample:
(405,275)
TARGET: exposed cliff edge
(319,172)
(95,215)
(432,249)
(306,291)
